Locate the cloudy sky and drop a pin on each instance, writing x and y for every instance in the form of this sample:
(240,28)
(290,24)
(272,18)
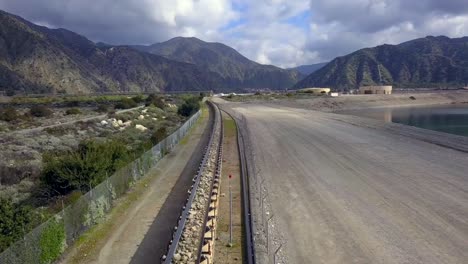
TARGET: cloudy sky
(281,32)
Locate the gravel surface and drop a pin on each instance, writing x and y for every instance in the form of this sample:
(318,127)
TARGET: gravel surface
(187,248)
(346,190)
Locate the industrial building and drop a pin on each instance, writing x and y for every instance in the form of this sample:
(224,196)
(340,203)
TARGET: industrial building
(385,89)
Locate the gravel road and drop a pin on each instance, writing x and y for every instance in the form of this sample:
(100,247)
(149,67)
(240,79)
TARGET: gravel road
(344,192)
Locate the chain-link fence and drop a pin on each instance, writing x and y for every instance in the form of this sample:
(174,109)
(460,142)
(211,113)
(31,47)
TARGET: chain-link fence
(46,242)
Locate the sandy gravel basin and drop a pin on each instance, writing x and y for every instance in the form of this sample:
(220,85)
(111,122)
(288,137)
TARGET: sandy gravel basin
(345,189)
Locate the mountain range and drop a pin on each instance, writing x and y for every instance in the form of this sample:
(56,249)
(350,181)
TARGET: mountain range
(36,59)
(236,70)
(428,62)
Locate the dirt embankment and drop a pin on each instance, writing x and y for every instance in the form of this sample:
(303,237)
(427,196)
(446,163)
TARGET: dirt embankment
(348,102)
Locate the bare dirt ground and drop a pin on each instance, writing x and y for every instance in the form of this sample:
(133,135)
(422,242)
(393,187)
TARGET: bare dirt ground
(346,191)
(231,166)
(349,102)
(141,231)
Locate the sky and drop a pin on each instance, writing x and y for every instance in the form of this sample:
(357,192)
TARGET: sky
(280,32)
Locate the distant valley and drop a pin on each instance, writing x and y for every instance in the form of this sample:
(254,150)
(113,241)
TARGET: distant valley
(309,69)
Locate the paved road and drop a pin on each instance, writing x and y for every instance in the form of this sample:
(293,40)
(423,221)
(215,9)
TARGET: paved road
(344,193)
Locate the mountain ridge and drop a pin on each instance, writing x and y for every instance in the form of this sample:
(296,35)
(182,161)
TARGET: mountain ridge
(239,71)
(36,59)
(425,62)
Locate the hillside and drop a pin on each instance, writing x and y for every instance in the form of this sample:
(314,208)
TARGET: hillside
(426,62)
(308,69)
(35,59)
(238,71)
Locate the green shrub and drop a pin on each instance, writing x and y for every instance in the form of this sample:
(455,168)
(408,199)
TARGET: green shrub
(138,99)
(15,221)
(258,93)
(52,242)
(155,100)
(190,106)
(10,93)
(126,103)
(82,169)
(159,135)
(73,111)
(102,108)
(40,111)
(9,114)
(58,130)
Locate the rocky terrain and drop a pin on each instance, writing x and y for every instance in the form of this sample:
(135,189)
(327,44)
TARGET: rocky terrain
(425,62)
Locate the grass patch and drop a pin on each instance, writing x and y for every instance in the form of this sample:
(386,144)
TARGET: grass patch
(230,127)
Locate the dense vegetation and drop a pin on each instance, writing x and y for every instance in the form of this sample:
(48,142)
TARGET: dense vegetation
(83,168)
(15,221)
(190,106)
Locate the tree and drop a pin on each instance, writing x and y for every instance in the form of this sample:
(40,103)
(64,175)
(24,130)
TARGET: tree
(155,100)
(190,106)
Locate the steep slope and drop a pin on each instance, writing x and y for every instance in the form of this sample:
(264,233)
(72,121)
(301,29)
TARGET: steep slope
(238,71)
(426,62)
(308,69)
(36,59)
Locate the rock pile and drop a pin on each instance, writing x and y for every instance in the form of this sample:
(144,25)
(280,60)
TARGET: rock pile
(188,245)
